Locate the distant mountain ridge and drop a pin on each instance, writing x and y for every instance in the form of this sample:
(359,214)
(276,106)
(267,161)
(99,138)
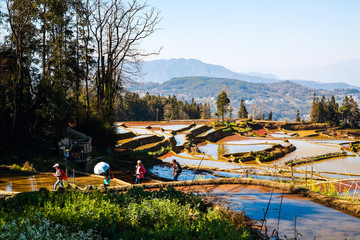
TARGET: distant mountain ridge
(159,71)
(347,71)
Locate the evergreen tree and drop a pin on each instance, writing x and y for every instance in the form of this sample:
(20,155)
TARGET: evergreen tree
(230,111)
(242,110)
(270,116)
(262,116)
(298,116)
(344,110)
(314,114)
(222,104)
(354,113)
(333,114)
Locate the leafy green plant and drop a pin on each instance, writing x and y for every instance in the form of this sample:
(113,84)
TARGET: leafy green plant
(136,214)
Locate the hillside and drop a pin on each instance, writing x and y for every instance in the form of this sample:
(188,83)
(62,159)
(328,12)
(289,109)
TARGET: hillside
(282,98)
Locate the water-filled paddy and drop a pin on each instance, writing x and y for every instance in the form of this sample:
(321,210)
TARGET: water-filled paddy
(180,139)
(165,171)
(256,141)
(280,135)
(313,219)
(307,149)
(174,127)
(204,162)
(20,182)
(160,133)
(141,131)
(215,150)
(121,130)
(348,164)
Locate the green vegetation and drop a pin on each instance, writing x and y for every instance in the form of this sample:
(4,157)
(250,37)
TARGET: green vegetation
(137,214)
(222,104)
(282,98)
(131,107)
(26,167)
(355,146)
(242,110)
(348,115)
(56,70)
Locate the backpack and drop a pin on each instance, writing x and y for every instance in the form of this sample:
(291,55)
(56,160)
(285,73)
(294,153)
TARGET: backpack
(178,168)
(63,175)
(111,175)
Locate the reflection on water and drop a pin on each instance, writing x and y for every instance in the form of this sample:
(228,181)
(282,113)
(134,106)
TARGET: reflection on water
(332,142)
(216,150)
(280,135)
(165,171)
(165,135)
(312,219)
(171,127)
(306,149)
(341,165)
(180,139)
(141,131)
(207,132)
(8,187)
(258,141)
(15,182)
(121,130)
(204,162)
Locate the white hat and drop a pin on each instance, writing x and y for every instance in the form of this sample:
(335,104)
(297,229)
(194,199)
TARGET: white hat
(139,161)
(56,165)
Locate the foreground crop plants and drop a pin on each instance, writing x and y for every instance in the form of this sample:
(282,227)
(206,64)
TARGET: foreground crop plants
(136,214)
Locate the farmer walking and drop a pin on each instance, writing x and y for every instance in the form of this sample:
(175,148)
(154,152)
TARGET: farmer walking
(58,175)
(176,169)
(140,171)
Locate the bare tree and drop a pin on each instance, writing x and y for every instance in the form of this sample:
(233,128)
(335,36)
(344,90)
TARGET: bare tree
(118,27)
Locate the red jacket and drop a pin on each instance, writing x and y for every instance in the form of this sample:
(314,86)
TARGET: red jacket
(141,171)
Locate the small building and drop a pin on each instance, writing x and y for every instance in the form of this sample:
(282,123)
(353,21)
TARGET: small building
(76,146)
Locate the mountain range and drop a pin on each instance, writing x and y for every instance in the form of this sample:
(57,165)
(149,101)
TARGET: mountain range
(160,71)
(192,79)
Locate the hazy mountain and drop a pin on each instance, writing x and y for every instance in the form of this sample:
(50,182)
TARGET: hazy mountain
(160,71)
(282,98)
(346,71)
(328,86)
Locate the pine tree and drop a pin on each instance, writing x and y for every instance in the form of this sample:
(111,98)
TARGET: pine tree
(242,110)
(262,116)
(354,113)
(270,116)
(222,103)
(298,116)
(333,114)
(314,114)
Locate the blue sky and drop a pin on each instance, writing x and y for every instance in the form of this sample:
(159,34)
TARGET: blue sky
(258,35)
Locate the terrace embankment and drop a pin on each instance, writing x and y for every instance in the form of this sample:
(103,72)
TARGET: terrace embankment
(311,159)
(270,154)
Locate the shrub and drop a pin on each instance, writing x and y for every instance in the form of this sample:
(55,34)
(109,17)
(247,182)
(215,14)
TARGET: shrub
(136,214)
